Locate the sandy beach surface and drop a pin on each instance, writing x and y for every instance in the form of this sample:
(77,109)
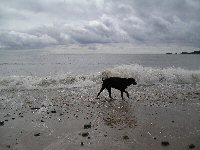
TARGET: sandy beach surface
(153,118)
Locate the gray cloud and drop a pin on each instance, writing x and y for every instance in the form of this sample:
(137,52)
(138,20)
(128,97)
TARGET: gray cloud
(17,40)
(36,24)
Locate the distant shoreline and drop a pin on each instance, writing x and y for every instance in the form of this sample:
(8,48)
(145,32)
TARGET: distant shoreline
(194,52)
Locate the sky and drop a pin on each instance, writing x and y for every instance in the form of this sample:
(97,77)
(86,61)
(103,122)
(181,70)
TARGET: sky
(32,24)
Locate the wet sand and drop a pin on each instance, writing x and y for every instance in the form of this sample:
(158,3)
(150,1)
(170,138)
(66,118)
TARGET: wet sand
(153,118)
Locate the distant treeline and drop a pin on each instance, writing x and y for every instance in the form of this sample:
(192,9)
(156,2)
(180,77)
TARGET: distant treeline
(194,52)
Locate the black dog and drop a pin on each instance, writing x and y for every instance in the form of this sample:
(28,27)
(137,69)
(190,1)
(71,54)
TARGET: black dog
(117,83)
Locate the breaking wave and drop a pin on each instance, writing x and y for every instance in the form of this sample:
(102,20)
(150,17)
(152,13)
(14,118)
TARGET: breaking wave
(143,75)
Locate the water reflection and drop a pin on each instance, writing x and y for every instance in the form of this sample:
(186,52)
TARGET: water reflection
(117,113)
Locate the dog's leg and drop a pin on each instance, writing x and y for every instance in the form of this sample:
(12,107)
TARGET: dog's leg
(109,91)
(122,95)
(101,90)
(127,93)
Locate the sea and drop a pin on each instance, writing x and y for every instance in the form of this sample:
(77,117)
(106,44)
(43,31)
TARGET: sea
(38,69)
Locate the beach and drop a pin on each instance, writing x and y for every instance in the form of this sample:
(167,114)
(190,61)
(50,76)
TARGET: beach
(72,118)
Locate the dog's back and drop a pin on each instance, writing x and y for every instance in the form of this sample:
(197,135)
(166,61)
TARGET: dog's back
(117,83)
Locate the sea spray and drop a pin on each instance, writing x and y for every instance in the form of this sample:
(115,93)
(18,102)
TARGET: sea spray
(150,75)
(143,75)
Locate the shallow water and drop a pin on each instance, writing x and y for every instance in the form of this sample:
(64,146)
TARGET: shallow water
(45,63)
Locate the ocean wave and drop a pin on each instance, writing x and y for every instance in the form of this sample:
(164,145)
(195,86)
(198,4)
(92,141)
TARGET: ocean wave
(143,75)
(150,75)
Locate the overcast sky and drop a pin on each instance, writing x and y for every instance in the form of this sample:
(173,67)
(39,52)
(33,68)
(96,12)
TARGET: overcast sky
(31,24)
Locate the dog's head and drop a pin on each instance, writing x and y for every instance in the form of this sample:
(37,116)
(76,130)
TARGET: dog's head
(132,81)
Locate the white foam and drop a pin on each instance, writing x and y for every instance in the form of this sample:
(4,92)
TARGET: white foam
(149,75)
(143,75)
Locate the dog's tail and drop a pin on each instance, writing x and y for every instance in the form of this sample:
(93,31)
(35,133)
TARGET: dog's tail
(106,74)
